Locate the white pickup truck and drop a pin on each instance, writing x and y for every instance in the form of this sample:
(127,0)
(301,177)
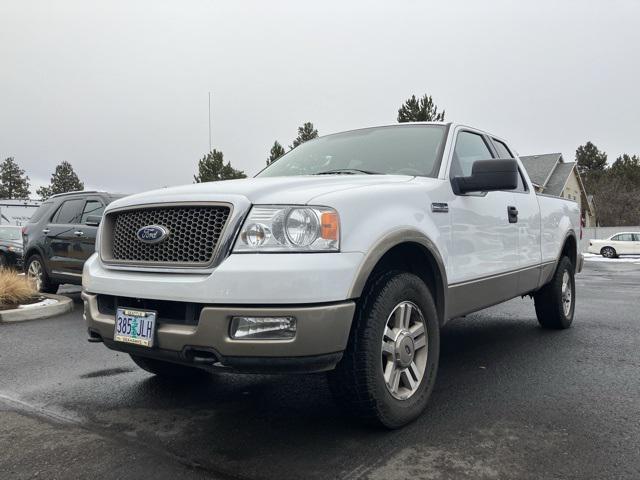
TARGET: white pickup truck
(347,255)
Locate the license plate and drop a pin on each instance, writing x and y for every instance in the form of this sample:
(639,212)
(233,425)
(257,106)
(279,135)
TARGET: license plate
(135,326)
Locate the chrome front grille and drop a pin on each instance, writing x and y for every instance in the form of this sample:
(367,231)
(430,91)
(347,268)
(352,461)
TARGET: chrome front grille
(193,234)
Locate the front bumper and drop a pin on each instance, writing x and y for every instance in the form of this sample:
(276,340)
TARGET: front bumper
(241,279)
(321,337)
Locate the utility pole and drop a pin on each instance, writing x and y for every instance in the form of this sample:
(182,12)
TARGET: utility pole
(209,121)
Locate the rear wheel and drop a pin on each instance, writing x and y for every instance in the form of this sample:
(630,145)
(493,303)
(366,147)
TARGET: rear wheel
(389,368)
(608,252)
(37,273)
(168,369)
(555,302)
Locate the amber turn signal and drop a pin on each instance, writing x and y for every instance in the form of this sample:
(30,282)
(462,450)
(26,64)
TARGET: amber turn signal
(329,225)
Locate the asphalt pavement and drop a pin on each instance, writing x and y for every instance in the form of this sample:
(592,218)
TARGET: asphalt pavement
(511,401)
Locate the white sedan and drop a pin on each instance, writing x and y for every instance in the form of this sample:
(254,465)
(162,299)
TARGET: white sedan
(623,243)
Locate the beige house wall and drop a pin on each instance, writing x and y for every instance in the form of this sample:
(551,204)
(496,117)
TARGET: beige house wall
(572,191)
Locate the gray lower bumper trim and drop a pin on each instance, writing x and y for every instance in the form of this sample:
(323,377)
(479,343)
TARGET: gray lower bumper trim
(217,362)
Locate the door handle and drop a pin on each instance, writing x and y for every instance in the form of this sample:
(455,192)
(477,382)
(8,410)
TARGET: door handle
(45,231)
(78,233)
(513,214)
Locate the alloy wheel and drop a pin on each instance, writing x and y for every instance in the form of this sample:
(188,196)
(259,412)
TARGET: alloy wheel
(567,293)
(34,273)
(404,350)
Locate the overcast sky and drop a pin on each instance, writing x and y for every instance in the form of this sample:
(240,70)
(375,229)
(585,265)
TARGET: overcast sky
(119,88)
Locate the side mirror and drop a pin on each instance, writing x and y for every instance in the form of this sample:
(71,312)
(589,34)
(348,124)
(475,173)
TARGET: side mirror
(93,220)
(488,176)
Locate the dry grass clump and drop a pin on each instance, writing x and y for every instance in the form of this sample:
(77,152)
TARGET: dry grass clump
(15,289)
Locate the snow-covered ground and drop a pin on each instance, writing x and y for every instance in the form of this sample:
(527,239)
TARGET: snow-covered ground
(592,257)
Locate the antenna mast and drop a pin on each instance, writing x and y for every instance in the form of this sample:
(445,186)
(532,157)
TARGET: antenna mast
(209,121)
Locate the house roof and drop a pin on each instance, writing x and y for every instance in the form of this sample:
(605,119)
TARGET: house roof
(559,178)
(540,167)
(550,173)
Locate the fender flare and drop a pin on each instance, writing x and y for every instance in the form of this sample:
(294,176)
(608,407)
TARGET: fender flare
(391,240)
(549,269)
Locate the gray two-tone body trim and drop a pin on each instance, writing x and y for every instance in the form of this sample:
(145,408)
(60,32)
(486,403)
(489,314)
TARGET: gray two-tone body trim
(473,295)
(391,240)
(468,296)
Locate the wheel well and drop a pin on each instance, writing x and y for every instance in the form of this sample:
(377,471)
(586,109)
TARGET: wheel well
(417,259)
(29,254)
(570,250)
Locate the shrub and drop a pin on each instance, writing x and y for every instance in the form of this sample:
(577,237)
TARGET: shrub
(15,289)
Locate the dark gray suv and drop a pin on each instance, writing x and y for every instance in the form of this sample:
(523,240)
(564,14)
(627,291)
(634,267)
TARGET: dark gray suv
(61,236)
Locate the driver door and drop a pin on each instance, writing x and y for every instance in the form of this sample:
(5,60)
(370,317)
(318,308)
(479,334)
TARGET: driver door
(484,242)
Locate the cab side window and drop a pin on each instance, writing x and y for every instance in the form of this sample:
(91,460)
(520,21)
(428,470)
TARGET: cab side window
(504,152)
(92,207)
(69,212)
(469,148)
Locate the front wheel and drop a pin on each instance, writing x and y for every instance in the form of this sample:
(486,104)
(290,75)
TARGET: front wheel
(555,302)
(389,368)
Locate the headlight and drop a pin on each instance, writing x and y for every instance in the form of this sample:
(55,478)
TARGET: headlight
(286,228)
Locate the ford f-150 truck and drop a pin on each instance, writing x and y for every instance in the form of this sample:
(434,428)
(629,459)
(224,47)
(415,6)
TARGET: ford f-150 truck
(346,255)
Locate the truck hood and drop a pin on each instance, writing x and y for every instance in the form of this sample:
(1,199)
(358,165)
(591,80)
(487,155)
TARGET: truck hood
(297,190)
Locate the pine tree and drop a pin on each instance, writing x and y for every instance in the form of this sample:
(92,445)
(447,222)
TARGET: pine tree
(305,133)
(627,166)
(422,110)
(590,159)
(63,180)
(211,168)
(276,152)
(13,182)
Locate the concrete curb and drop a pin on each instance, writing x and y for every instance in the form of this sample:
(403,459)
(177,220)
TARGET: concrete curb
(64,305)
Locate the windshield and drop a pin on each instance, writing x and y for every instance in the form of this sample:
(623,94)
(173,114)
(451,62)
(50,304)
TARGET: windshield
(10,233)
(399,150)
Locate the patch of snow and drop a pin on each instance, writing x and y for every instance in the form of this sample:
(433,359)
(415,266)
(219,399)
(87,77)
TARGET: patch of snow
(592,257)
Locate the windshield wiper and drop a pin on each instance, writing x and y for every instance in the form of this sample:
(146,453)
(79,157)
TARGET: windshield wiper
(346,171)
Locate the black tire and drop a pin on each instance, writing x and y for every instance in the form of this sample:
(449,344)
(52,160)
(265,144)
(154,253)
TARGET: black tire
(551,302)
(358,381)
(44,284)
(609,252)
(3,260)
(168,369)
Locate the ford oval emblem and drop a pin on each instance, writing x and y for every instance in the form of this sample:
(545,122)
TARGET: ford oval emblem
(152,234)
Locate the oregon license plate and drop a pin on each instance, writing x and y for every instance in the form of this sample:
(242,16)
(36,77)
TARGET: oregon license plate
(135,326)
